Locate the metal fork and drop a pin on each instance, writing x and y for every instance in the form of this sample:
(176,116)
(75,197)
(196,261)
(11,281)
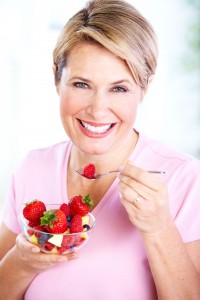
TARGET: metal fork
(97,176)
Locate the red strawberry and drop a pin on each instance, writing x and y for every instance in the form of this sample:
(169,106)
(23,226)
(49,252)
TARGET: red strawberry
(35,226)
(68,240)
(89,171)
(48,246)
(76,224)
(34,223)
(39,227)
(65,208)
(54,221)
(80,206)
(62,249)
(34,210)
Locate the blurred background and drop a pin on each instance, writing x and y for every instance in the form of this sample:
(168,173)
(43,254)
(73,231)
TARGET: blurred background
(29,107)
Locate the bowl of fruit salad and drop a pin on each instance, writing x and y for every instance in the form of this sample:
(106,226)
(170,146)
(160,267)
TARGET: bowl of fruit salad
(58,228)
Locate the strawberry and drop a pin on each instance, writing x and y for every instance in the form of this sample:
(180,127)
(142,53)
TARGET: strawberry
(48,246)
(76,224)
(68,240)
(54,221)
(34,223)
(65,208)
(34,210)
(89,171)
(80,206)
(39,227)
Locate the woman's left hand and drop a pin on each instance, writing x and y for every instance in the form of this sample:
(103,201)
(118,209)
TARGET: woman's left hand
(145,198)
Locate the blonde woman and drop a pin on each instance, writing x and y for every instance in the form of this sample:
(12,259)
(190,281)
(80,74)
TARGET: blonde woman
(146,244)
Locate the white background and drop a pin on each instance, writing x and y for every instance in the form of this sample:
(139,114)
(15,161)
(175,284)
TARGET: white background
(29,107)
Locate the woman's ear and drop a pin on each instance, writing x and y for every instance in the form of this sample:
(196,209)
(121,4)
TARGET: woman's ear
(150,79)
(54,68)
(145,89)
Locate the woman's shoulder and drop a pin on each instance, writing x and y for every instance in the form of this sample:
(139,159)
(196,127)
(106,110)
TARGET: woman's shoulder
(160,154)
(161,148)
(50,151)
(46,156)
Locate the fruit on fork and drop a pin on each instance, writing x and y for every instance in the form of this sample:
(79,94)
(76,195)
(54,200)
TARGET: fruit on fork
(89,172)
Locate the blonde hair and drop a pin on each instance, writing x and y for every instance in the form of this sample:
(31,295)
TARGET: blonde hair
(117,26)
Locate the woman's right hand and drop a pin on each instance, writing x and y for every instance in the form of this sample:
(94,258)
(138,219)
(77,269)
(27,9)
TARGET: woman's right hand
(30,259)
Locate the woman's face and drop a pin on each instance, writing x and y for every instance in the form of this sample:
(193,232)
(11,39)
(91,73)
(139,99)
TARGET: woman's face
(98,99)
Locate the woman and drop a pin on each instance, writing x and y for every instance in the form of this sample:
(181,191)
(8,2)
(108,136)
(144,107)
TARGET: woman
(146,244)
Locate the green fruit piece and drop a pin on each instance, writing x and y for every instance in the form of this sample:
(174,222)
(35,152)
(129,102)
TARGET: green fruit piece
(56,240)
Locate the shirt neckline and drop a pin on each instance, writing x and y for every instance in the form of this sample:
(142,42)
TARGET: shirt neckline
(132,157)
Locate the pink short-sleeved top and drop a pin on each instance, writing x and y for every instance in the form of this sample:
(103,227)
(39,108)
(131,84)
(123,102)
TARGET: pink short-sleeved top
(113,264)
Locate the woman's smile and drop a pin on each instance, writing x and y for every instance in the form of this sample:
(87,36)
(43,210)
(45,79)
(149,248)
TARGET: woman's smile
(99,129)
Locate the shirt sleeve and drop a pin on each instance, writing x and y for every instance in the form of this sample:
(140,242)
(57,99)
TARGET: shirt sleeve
(186,192)
(11,209)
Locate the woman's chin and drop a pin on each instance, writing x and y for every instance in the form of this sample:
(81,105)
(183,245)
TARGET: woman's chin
(94,149)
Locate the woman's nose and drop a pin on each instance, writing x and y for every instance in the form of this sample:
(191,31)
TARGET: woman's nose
(98,107)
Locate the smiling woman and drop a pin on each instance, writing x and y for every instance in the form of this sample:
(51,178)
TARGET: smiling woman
(95,104)
(147,222)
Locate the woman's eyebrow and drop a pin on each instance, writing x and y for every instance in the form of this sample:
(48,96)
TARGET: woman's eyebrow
(79,78)
(122,81)
(89,81)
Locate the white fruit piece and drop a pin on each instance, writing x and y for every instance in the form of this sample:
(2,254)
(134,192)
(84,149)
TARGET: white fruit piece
(56,240)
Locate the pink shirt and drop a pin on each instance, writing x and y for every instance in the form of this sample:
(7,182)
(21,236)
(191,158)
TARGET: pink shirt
(113,264)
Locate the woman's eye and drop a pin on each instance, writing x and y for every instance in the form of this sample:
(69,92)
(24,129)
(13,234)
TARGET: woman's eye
(81,85)
(120,89)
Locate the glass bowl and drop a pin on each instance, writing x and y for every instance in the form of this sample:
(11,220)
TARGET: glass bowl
(59,243)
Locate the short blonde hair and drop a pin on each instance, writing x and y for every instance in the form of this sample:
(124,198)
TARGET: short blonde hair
(117,26)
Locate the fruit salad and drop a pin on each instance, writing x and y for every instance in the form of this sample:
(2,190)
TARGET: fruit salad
(58,228)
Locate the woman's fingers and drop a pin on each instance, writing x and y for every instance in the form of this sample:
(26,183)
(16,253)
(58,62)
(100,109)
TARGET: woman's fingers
(145,198)
(30,256)
(24,245)
(140,176)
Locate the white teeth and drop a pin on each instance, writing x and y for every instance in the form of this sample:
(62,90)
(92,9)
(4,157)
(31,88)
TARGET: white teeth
(94,129)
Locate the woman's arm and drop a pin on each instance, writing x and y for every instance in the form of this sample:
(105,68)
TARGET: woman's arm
(175,266)
(21,262)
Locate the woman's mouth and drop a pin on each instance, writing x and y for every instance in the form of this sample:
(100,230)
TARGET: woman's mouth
(96,129)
